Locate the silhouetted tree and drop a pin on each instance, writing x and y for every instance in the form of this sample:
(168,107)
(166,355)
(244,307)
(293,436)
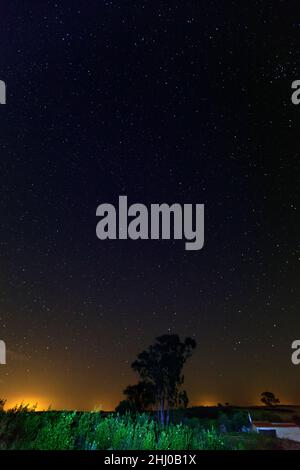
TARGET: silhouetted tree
(2,404)
(125,406)
(269,399)
(183,399)
(141,395)
(161,366)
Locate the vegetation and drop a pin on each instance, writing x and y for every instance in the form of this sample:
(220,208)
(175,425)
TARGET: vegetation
(215,429)
(269,399)
(23,428)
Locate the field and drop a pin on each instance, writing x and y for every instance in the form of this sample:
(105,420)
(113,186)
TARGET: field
(194,428)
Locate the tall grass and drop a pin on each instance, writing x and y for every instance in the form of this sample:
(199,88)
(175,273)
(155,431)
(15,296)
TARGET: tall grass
(26,429)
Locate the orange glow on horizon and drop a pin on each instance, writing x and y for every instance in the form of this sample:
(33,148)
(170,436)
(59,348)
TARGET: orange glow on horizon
(43,404)
(38,403)
(205,401)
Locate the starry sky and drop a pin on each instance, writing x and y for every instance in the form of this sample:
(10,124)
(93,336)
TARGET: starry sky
(183,102)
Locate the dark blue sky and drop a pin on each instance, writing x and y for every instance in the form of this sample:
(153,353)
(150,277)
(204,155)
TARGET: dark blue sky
(163,103)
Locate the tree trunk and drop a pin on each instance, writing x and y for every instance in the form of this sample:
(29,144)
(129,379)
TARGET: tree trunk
(168,415)
(162,410)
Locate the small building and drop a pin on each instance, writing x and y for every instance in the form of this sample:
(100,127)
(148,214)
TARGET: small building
(280,430)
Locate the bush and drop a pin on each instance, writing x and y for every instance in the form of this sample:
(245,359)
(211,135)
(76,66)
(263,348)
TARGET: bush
(25,429)
(56,435)
(233,422)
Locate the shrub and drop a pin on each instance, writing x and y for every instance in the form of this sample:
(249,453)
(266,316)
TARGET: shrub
(25,429)
(56,435)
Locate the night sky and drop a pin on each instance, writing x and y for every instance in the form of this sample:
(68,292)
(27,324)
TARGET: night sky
(187,103)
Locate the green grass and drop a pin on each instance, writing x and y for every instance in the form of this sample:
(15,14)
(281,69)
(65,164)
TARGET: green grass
(255,441)
(22,428)
(249,441)
(25,429)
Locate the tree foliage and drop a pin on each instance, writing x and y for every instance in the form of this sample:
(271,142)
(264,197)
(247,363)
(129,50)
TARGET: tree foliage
(269,399)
